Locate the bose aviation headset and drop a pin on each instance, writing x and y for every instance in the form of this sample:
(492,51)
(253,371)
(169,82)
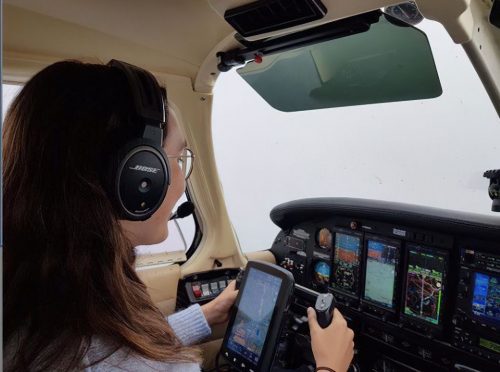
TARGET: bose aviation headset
(138,176)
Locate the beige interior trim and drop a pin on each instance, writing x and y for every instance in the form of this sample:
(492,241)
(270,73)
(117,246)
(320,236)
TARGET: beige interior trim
(33,34)
(194,116)
(484,50)
(208,73)
(261,256)
(19,67)
(142,262)
(162,286)
(454,15)
(210,351)
(146,33)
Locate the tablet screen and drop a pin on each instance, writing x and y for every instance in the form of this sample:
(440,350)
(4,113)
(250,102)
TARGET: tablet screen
(255,312)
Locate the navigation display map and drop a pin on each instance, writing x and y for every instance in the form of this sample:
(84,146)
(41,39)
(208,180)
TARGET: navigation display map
(486,297)
(381,262)
(424,285)
(255,312)
(346,262)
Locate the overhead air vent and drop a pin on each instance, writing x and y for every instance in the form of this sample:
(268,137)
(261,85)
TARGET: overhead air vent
(270,15)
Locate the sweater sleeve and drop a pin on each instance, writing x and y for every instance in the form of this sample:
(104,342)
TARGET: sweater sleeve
(190,325)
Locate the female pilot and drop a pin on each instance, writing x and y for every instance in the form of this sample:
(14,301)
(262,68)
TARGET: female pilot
(72,298)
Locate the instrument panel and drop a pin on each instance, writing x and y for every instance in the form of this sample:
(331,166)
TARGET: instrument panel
(420,286)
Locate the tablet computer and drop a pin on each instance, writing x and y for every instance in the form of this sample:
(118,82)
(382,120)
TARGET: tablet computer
(257,318)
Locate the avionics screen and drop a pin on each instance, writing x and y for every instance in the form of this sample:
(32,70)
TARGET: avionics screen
(425,285)
(346,262)
(321,273)
(486,298)
(254,316)
(493,346)
(381,263)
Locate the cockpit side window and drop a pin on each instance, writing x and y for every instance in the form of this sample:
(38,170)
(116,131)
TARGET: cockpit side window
(9,92)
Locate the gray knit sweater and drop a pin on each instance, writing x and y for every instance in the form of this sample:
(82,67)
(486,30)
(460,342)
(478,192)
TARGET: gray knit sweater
(189,325)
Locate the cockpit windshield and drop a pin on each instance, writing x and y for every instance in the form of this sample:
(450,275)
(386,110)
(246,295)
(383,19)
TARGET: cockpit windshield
(429,152)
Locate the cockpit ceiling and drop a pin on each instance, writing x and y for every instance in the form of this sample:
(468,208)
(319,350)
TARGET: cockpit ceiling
(162,35)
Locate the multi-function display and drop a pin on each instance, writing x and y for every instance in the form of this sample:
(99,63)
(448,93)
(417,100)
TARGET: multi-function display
(382,260)
(425,284)
(486,298)
(346,262)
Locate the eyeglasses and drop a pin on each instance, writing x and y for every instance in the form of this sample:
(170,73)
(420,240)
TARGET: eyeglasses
(185,161)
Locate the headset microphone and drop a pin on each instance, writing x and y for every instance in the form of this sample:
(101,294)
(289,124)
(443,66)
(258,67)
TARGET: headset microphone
(184,210)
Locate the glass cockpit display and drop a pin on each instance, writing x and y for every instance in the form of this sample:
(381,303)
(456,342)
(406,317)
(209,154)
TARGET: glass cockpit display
(251,326)
(346,262)
(324,239)
(425,284)
(381,269)
(486,298)
(321,273)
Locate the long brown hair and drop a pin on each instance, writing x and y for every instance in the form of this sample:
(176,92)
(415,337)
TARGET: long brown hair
(68,268)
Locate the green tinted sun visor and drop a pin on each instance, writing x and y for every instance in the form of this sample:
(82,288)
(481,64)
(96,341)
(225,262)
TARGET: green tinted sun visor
(391,61)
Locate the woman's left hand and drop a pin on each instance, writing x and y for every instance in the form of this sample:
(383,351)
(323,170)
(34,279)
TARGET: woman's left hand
(217,310)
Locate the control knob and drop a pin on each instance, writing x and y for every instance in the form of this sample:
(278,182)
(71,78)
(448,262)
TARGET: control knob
(325,303)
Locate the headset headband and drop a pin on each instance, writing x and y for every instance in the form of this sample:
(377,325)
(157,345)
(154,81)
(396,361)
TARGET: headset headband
(148,104)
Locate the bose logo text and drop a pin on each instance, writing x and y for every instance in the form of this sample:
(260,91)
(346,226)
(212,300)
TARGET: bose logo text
(144,169)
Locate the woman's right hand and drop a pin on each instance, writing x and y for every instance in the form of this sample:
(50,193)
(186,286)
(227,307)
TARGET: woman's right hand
(333,346)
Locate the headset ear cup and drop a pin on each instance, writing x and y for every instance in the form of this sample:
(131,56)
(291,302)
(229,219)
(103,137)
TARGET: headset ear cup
(139,177)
